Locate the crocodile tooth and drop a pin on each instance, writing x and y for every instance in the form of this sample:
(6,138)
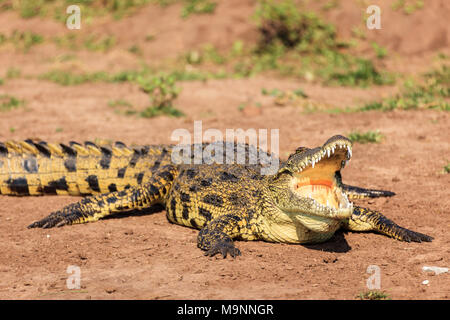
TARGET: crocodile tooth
(312,162)
(328,151)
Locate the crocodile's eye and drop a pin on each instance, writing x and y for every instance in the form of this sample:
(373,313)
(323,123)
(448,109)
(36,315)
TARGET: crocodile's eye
(300,149)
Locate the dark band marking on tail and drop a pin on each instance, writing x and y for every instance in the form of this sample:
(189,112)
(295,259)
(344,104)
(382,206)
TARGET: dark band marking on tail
(193,223)
(3,149)
(18,185)
(135,158)
(92,180)
(50,189)
(173,208)
(105,162)
(139,177)
(60,184)
(185,212)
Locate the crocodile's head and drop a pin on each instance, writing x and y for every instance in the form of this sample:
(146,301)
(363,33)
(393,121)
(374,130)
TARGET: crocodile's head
(307,188)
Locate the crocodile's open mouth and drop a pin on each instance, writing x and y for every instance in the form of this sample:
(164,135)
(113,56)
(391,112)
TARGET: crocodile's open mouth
(315,176)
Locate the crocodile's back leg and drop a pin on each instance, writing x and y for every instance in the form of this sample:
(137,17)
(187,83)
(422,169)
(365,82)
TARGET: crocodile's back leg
(354,192)
(36,168)
(364,219)
(362,193)
(95,207)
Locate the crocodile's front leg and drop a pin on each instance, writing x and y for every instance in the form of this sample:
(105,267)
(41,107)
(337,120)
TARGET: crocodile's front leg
(364,219)
(217,236)
(95,207)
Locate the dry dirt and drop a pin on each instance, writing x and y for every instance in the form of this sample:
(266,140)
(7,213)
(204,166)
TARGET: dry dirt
(146,257)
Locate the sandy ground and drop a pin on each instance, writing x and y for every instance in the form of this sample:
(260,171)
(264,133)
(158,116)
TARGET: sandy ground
(146,257)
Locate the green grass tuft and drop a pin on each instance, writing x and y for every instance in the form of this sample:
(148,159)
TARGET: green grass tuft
(434,93)
(365,137)
(447,168)
(162,92)
(281,22)
(89,8)
(363,73)
(22,40)
(380,51)
(8,103)
(68,78)
(373,295)
(151,112)
(197,7)
(97,43)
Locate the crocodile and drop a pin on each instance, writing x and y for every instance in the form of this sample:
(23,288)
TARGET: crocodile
(303,201)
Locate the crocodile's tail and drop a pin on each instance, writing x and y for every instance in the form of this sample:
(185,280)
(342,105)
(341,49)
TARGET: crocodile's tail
(37,167)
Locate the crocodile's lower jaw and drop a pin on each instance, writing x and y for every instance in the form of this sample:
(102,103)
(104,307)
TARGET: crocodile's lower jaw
(316,223)
(299,228)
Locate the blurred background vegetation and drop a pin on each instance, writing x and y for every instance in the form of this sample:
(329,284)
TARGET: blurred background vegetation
(290,39)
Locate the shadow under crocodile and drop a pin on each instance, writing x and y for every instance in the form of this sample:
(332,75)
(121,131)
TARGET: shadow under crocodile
(136,213)
(337,244)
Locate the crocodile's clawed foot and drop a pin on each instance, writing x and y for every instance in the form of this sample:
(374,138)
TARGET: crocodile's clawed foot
(404,234)
(55,219)
(224,248)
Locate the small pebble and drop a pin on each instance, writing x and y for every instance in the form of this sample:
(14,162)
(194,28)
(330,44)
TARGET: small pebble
(425,282)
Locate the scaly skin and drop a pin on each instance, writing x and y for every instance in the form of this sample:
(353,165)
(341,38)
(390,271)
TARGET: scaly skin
(304,202)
